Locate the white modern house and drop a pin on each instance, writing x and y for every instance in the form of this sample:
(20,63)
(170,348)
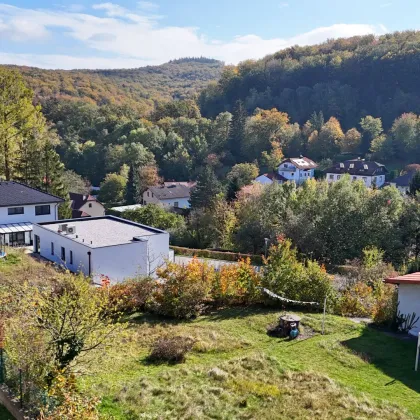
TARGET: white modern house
(85,206)
(293,169)
(169,195)
(103,247)
(372,174)
(408,296)
(20,207)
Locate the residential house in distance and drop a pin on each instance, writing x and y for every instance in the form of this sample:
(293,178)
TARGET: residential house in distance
(371,173)
(103,246)
(174,194)
(402,183)
(20,207)
(85,206)
(408,296)
(293,169)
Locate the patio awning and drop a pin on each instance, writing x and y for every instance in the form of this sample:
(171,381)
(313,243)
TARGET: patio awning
(16,227)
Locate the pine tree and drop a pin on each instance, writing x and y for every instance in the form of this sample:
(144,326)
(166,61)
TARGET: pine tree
(207,188)
(18,117)
(130,189)
(52,178)
(237,130)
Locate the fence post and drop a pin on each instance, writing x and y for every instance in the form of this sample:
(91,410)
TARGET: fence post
(323,316)
(20,388)
(417,353)
(2,375)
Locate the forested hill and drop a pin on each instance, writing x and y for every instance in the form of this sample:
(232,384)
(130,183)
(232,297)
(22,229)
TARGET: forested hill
(345,78)
(138,88)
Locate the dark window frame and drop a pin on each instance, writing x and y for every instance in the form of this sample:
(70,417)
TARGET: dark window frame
(63,254)
(71,257)
(52,248)
(41,210)
(12,211)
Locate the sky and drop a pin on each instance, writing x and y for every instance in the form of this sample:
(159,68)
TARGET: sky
(127,34)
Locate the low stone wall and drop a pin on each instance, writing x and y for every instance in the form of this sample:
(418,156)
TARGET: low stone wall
(11,406)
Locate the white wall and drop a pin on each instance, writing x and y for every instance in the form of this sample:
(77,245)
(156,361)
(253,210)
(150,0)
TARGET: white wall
(369,181)
(28,216)
(80,251)
(97,209)
(119,262)
(183,203)
(409,302)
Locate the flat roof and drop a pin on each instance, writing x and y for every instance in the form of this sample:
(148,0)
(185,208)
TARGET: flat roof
(413,278)
(97,232)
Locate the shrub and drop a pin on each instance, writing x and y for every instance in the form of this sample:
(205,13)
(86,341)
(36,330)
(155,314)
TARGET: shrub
(237,283)
(385,308)
(170,349)
(217,255)
(286,276)
(184,289)
(357,300)
(132,295)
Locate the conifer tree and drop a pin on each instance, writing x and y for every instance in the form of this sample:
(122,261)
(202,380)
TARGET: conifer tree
(415,184)
(130,189)
(207,188)
(237,130)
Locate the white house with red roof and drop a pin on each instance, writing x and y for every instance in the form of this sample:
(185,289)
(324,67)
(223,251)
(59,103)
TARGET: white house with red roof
(293,169)
(408,296)
(85,206)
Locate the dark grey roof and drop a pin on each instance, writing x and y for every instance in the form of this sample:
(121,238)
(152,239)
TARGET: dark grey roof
(172,191)
(358,167)
(404,180)
(14,193)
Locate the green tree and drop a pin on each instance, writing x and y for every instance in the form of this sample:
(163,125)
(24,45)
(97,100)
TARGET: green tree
(206,190)
(112,189)
(415,184)
(130,188)
(237,129)
(75,183)
(156,216)
(371,129)
(19,118)
(240,175)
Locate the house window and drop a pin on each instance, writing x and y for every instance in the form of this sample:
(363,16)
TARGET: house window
(293,174)
(176,204)
(366,167)
(42,210)
(355,178)
(338,176)
(331,176)
(15,210)
(364,179)
(351,165)
(285,165)
(63,254)
(148,193)
(282,173)
(71,257)
(90,205)
(52,248)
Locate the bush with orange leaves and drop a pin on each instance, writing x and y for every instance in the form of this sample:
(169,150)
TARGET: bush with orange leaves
(237,284)
(184,289)
(357,300)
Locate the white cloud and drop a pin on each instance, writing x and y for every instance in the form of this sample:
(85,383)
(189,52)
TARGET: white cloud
(148,6)
(122,38)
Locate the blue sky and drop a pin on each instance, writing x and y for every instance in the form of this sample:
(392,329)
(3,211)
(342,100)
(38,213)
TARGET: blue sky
(125,33)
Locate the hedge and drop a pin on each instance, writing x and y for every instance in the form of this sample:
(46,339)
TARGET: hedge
(217,255)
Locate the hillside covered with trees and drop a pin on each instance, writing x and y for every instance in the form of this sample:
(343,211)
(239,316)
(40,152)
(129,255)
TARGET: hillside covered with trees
(137,88)
(345,78)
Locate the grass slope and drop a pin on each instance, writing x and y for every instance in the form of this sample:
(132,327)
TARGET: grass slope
(352,372)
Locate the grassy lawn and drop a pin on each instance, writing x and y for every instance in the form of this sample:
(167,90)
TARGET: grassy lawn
(351,372)
(4,414)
